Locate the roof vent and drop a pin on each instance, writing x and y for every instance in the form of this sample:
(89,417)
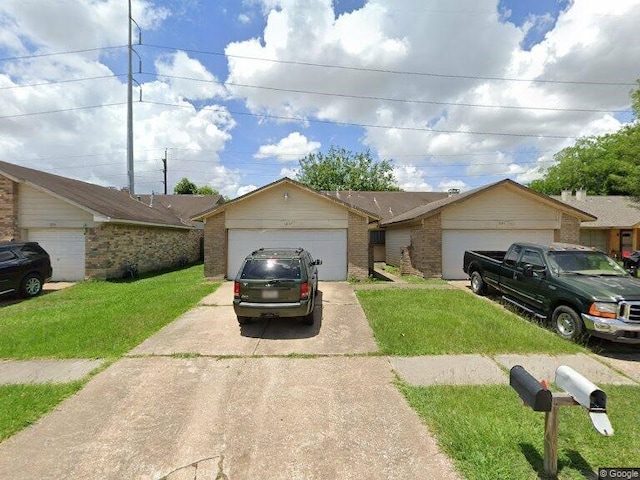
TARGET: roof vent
(453,191)
(565,195)
(581,195)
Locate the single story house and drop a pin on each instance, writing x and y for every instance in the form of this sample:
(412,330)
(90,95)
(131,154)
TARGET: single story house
(617,228)
(92,231)
(286,213)
(432,229)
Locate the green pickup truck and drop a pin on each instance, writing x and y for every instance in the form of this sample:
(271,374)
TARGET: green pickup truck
(579,290)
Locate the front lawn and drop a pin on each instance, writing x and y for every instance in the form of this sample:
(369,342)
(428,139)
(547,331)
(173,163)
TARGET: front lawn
(98,319)
(490,435)
(410,322)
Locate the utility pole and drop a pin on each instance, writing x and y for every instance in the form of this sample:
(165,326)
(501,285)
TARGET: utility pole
(164,170)
(130,111)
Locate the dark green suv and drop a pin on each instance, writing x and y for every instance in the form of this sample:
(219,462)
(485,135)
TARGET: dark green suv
(276,282)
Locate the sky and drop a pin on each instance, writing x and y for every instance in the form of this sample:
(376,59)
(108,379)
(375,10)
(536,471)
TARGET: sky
(233,93)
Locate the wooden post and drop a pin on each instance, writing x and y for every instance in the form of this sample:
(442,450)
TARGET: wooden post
(551,432)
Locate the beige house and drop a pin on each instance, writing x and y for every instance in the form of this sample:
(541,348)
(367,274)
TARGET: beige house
(487,218)
(288,214)
(92,231)
(617,228)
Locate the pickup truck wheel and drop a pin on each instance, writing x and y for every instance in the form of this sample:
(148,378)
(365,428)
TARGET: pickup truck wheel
(477,284)
(567,323)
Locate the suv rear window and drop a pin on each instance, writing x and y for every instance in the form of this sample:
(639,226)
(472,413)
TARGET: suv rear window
(271,268)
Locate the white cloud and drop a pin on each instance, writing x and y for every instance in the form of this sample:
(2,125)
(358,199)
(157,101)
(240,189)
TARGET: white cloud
(411,178)
(289,172)
(591,41)
(181,71)
(244,18)
(288,149)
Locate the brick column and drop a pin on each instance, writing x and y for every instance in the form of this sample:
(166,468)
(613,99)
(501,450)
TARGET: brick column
(569,230)
(8,210)
(358,247)
(215,247)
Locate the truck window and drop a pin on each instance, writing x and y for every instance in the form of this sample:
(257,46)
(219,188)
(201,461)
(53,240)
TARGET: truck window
(511,258)
(533,258)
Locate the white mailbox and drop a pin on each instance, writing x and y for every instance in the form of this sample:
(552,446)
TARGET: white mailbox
(586,394)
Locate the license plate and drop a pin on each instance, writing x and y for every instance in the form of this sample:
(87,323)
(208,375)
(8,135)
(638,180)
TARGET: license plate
(269,294)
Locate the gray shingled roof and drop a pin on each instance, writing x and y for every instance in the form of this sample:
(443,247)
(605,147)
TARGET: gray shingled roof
(113,204)
(386,204)
(612,211)
(183,206)
(433,207)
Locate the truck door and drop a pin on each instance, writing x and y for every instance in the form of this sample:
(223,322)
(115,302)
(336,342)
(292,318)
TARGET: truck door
(508,270)
(531,278)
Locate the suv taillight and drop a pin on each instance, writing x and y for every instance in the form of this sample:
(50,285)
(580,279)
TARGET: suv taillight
(304,290)
(236,289)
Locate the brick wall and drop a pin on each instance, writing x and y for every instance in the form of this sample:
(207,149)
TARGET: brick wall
(215,247)
(8,210)
(569,230)
(424,255)
(358,257)
(109,247)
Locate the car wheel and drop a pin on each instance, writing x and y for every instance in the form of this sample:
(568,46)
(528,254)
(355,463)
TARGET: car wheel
(477,284)
(244,320)
(567,323)
(31,285)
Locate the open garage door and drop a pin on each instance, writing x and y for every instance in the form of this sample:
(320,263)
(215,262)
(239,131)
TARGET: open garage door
(455,242)
(66,249)
(329,245)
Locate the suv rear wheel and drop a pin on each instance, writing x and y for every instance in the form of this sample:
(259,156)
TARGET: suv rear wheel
(31,285)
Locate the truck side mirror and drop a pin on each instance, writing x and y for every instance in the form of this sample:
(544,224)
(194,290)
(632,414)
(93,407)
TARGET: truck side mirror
(586,394)
(530,390)
(529,270)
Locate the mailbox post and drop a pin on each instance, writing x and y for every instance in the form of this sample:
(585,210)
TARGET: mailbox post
(578,391)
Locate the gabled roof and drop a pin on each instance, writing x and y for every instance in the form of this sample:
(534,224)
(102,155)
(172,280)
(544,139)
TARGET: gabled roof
(435,207)
(105,204)
(386,204)
(293,183)
(612,211)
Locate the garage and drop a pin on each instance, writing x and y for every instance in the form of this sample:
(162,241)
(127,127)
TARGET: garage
(455,242)
(66,249)
(329,245)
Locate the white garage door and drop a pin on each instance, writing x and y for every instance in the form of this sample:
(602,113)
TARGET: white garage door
(455,242)
(66,249)
(328,245)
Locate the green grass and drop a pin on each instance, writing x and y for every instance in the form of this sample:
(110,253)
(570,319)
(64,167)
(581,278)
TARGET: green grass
(22,405)
(432,322)
(98,319)
(491,435)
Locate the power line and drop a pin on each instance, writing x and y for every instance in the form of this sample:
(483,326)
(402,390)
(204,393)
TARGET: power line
(396,72)
(371,125)
(56,82)
(62,110)
(52,54)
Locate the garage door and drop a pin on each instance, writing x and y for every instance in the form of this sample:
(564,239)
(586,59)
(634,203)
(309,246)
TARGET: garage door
(66,249)
(328,245)
(455,242)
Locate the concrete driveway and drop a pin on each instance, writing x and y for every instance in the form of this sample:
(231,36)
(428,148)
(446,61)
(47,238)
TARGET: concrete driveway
(204,398)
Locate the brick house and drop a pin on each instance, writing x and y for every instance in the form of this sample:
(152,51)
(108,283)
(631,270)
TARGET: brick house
(286,213)
(90,231)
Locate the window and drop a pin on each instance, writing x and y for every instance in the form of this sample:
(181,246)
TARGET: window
(6,255)
(512,255)
(30,251)
(271,268)
(532,258)
(376,237)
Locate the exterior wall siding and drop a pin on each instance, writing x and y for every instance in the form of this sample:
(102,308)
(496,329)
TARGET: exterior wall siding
(395,240)
(359,261)
(215,247)
(108,248)
(40,210)
(569,231)
(9,197)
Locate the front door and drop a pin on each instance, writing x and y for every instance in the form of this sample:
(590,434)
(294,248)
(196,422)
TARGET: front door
(626,242)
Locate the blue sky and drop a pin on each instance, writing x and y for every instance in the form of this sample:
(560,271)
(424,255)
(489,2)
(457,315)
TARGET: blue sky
(456,93)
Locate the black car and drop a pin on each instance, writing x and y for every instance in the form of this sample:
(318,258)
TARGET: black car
(276,282)
(24,268)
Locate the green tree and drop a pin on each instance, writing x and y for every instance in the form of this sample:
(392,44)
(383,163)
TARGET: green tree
(187,187)
(341,169)
(604,165)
